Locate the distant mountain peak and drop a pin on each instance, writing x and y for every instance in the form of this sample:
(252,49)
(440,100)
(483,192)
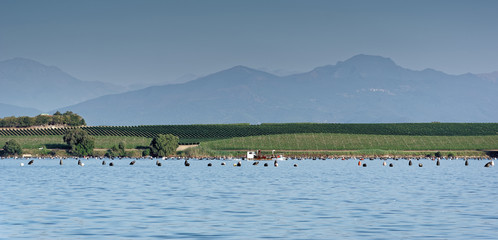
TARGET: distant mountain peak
(48,87)
(26,62)
(24,65)
(244,69)
(239,71)
(361,66)
(240,67)
(20,60)
(363,59)
(363,88)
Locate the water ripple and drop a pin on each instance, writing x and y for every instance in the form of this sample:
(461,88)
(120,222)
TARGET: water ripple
(318,200)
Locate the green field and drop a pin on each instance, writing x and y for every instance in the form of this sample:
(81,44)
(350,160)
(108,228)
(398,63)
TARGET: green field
(328,141)
(220,139)
(201,133)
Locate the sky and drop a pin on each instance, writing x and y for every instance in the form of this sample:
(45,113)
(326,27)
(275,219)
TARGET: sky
(146,41)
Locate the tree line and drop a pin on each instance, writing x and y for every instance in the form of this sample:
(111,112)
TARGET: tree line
(81,144)
(68,119)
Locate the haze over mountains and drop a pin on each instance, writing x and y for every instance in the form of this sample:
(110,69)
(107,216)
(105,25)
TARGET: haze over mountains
(361,89)
(27,83)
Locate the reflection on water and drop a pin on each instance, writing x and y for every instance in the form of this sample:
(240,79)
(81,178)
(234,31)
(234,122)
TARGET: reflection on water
(320,199)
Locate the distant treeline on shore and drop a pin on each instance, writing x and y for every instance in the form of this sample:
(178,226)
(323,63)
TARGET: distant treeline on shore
(57,119)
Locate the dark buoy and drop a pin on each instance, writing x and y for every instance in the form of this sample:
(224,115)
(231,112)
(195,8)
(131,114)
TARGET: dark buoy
(209,164)
(391,165)
(239,164)
(132,162)
(466,162)
(364,165)
(103,162)
(410,163)
(420,165)
(295,164)
(266,164)
(438,163)
(111,164)
(223,164)
(31,162)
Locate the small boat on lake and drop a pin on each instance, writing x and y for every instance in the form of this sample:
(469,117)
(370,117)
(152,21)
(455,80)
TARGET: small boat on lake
(258,156)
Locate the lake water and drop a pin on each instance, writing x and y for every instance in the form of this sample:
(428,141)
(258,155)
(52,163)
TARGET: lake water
(319,199)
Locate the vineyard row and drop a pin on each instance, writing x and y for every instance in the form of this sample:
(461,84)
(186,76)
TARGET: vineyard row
(223,131)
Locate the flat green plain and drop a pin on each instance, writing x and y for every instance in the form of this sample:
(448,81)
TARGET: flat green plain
(298,138)
(328,141)
(315,141)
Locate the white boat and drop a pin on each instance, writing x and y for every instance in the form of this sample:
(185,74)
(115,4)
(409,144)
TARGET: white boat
(258,156)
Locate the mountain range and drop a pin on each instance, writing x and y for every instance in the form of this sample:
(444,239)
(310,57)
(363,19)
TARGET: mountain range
(361,89)
(30,84)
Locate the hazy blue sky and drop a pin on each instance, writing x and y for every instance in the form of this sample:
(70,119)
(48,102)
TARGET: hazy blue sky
(125,42)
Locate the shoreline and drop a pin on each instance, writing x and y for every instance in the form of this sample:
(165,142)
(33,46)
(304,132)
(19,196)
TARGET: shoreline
(293,145)
(183,151)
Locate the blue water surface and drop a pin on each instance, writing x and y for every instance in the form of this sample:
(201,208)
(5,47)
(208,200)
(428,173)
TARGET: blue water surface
(319,199)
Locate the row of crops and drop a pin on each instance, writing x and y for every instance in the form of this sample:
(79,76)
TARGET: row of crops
(33,131)
(331,141)
(198,133)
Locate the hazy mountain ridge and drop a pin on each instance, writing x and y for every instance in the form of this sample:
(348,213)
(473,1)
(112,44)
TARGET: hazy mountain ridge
(361,89)
(8,110)
(27,83)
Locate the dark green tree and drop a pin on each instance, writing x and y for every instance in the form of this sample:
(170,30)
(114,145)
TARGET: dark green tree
(72,119)
(25,121)
(41,120)
(163,145)
(146,152)
(116,151)
(10,122)
(12,147)
(80,142)
(57,119)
